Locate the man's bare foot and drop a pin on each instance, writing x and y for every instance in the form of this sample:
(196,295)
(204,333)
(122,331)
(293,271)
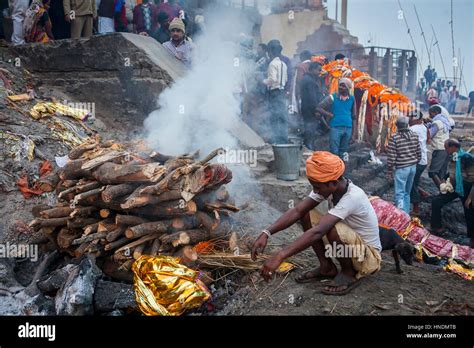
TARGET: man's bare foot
(341,285)
(321,273)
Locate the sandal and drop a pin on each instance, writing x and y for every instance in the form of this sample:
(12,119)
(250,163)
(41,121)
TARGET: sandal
(341,280)
(311,276)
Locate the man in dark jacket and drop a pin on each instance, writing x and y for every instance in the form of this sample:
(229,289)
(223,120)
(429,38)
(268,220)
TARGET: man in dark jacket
(310,92)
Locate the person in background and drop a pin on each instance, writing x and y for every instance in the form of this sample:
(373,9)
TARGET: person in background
(277,78)
(340,108)
(311,96)
(106,14)
(439,133)
(261,58)
(18,16)
(81,15)
(60,27)
(162,34)
(179,46)
(404,153)
(444,97)
(172,9)
(289,71)
(144,18)
(471,101)
(461,177)
(428,74)
(120,17)
(350,222)
(301,70)
(453,95)
(339,56)
(418,127)
(37,25)
(431,94)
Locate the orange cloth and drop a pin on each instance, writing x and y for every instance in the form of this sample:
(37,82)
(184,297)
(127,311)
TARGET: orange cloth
(323,166)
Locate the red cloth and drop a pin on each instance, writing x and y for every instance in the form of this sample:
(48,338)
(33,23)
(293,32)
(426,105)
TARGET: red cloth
(171,10)
(397,219)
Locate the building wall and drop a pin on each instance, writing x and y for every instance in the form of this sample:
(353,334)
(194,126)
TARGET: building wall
(291,30)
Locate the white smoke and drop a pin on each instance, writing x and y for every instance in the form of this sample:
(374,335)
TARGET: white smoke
(198,110)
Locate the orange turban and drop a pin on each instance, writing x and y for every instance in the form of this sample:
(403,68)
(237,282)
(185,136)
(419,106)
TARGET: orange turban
(323,166)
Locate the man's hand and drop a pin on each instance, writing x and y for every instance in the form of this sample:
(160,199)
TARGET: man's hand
(67,18)
(259,245)
(389,176)
(270,266)
(468,201)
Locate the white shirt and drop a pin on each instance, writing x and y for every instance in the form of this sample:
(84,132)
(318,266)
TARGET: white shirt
(355,210)
(277,74)
(422,133)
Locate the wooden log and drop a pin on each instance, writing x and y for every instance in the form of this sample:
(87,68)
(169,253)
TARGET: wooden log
(58,212)
(187,254)
(105,213)
(138,242)
(117,244)
(208,222)
(79,189)
(109,173)
(37,209)
(185,222)
(53,281)
(116,234)
(170,180)
(89,238)
(189,237)
(104,158)
(220,206)
(148,228)
(174,163)
(167,209)
(49,222)
(77,152)
(114,270)
(97,202)
(69,183)
(92,193)
(81,250)
(138,251)
(155,246)
(106,226)
(129,220)
(82,212)
(65,238)
(72,170)
(80,223)
(48,182)
(91,228)
(123,256)
(112,192)
(47,231)
(141,201)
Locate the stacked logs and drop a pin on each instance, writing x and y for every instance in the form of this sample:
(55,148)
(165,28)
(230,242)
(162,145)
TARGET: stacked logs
(121,202)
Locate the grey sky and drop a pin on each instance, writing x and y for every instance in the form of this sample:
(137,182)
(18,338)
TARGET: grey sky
(378,21)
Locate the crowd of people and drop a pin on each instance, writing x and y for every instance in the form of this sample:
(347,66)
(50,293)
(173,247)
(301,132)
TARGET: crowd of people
(431,89)
(45,20)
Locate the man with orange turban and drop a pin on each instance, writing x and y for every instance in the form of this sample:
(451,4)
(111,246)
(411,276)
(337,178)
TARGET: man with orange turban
(349,231)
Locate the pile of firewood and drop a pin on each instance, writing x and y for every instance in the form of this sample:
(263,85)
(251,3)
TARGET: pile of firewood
(121,201)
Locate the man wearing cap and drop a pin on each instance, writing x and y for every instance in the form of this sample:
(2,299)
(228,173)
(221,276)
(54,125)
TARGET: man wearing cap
(179,46)
(350,224)
(404,152)
(340,108)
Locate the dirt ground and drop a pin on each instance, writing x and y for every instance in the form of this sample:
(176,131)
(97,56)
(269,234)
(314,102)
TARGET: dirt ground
(422,289)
